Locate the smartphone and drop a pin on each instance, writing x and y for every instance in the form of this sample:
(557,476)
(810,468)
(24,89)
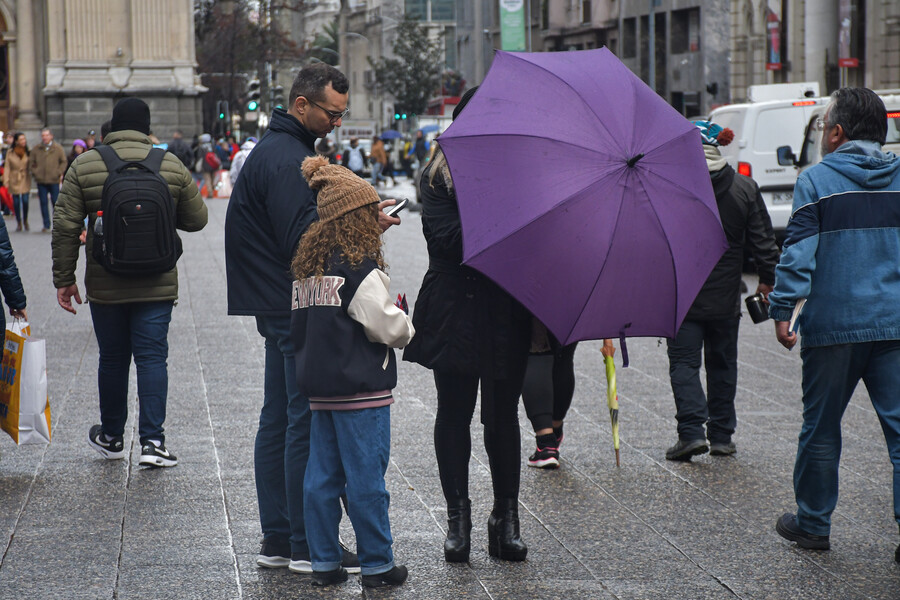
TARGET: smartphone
(392,211)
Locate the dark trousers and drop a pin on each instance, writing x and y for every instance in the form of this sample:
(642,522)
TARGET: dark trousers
(549,386)
(715,409)
(453,441)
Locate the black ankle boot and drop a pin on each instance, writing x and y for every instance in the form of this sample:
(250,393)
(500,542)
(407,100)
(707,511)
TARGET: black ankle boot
(503,531)
(459,530)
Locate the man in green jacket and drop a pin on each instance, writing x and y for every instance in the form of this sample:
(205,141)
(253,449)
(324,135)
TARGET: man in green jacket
(130,314)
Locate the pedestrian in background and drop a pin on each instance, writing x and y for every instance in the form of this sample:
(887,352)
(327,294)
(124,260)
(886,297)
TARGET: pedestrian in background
(270,208)
(78,147)
(469,332)
(17,178)
(710,329)
(5,195)
(130,315)
(354,158)
(207,163)
(378,159)
(48,164)
(237,163)
(842,256)
(181,149)
(344,341)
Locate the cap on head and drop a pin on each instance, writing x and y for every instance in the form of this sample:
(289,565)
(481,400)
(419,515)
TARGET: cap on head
(713,134)
(340,191)
(81,143)
(131,113)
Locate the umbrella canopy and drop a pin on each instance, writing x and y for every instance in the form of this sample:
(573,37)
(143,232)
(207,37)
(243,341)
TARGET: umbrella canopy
(584,195)
(430,129)
(391,134)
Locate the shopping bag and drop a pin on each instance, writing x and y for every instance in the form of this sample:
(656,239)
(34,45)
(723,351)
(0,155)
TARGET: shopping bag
(24,405)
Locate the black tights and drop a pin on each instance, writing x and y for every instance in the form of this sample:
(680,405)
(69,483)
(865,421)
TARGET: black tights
(549,386)
(452,439)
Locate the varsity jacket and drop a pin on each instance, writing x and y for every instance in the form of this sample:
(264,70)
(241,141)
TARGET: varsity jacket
(344,326)
(842,250)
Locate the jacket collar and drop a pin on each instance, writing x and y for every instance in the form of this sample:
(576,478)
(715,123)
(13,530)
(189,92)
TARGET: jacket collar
(285,123)
(129,135)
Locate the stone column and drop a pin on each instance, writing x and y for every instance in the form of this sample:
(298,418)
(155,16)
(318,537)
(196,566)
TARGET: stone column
(26,99)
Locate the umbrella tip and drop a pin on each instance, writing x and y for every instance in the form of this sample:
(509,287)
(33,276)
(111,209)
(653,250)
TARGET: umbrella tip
(633,160)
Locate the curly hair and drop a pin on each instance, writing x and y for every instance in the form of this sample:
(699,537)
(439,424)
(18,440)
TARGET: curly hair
(356,234)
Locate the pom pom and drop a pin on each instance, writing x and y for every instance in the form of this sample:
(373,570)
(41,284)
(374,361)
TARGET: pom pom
(725,137)
(311,165)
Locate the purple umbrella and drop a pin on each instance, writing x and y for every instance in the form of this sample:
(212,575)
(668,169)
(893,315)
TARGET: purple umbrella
(584,195)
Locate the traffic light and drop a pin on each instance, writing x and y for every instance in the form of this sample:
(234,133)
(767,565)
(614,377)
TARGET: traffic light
(278,96)
(222,109)
(253,95)
(399,116)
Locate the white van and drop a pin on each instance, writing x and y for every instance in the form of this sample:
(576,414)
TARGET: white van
(760,128)
(809,148)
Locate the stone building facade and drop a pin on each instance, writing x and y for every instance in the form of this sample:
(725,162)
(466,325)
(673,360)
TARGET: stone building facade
(66,63)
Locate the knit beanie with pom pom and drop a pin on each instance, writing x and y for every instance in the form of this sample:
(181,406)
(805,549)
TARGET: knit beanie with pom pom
(340,191)
(713,134)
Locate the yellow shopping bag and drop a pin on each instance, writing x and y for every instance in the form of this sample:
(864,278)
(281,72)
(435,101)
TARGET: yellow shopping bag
(24,405)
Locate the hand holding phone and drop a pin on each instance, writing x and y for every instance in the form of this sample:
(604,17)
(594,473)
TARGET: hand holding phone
(400,204)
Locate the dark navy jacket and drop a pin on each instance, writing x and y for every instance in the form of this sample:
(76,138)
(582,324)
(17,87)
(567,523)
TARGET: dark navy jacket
(270,208)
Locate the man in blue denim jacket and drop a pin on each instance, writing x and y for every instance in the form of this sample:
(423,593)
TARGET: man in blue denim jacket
(842,254)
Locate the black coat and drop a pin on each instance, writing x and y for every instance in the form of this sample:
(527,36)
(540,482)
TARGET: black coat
(747,224)
(10,284)
(270,208)
(464,322)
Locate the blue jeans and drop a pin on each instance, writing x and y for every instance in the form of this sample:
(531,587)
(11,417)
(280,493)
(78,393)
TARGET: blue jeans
(349,450)
(138,329)
(714,409)
(20,206)
(45,189)
(376,173)
(282,441)
(830,374)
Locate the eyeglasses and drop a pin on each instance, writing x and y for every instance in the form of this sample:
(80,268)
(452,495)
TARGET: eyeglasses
(333,117)
(820,124)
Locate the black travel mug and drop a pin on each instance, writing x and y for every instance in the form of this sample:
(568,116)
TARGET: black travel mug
(758,310)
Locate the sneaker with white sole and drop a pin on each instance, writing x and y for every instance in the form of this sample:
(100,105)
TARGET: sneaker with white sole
(154,454)
(544,458)
(111,448)
(300,563)
(274,554)
(349,559)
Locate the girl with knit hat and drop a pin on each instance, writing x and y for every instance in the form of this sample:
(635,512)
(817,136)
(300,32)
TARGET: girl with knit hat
(344,327)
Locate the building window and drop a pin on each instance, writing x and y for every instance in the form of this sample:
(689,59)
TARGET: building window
(685,31)
(443,10)
(585,11)
(417,9)
(629,38)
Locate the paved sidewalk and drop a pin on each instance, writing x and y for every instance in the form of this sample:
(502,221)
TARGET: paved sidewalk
(73,526)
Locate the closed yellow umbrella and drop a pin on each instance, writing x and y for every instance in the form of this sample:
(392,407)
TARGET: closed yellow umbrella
(612,396)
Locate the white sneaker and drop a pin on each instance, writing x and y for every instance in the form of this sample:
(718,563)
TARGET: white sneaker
(154,454)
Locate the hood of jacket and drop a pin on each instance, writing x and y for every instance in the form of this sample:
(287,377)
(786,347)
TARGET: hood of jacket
(722,180)
(248,145)
(864,163)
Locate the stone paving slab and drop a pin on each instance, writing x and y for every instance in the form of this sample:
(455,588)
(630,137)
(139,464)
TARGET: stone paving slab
(73,525)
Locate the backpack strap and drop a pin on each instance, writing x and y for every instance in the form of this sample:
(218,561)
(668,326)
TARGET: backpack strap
(154,159)
(110,158)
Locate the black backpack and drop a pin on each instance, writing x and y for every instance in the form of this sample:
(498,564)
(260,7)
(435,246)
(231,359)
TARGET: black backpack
(138,234)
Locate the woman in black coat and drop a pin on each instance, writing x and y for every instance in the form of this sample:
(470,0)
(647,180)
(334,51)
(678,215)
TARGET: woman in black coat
(469,331)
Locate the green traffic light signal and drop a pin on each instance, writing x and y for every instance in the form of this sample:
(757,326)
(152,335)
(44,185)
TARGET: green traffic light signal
(403,116)
(397,116)
(221,115)
(252,105)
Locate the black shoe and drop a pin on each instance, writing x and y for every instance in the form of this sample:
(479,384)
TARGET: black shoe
(112,448)
(897,554)
(395,576)
(349,559)
(274,553)
(323,578)
(504,541)
(544,458)
(720,449)
(154,454)
(558,432)
(459,531)
(300,563)
(788,528)
(685,450)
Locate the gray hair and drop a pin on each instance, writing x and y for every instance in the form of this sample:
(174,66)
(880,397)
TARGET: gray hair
(860,113)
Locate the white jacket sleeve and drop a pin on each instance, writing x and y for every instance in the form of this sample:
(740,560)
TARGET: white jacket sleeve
(373,308)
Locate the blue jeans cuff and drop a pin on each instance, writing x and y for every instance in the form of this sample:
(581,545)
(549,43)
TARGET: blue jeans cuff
(321,567)
(375,570)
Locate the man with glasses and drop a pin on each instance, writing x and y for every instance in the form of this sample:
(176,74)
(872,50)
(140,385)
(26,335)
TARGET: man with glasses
(842,257)
(270,208)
